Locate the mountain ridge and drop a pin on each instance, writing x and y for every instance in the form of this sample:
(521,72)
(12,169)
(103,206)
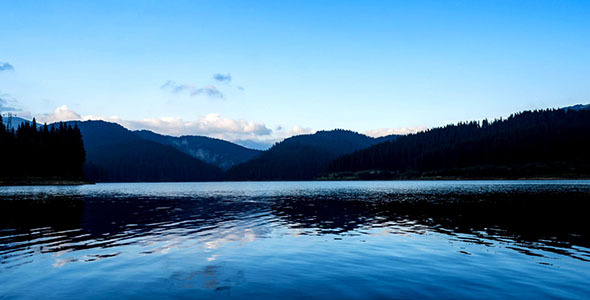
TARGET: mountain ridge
(552,142)
(218,152)
(116,154)
(301,157)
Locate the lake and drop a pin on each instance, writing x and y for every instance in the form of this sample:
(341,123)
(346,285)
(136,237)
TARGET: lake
(296,240)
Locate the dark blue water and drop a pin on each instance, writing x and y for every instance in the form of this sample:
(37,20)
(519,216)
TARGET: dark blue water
(296,240)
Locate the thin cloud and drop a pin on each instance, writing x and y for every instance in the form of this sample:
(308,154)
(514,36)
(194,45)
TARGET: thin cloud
(280,133)
(6,67)
(175,87)
(4,108)
(208,90)
(5,103)
(213,125)
(247,133)
(222,77)
(389,131)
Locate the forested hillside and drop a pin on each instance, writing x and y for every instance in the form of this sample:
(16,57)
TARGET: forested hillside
(539,143)
(116,154)
(220,153)
(145,161)
(300,157)
(544,143)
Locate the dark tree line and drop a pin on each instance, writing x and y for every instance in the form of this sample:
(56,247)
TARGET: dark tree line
(46,152)
(531,143)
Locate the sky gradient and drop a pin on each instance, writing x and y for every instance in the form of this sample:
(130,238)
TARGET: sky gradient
(265,70)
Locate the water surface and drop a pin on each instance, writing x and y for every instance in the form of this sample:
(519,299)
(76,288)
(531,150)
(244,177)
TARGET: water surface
(295,240)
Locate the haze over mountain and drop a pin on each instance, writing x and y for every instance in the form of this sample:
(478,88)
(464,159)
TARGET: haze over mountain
(114,154)
(220,153)
(117,154)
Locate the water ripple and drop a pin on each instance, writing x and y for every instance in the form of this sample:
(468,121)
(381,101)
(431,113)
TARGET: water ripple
(227,230)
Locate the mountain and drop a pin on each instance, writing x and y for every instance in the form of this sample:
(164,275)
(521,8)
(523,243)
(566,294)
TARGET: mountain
(387,138)
(117,154)
(301,157)
(15,122)
(544,143)
(220,153)
(114,153)
(578,107)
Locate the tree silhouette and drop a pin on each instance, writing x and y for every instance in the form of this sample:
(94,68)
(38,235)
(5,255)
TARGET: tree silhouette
(45,152)
(553,142)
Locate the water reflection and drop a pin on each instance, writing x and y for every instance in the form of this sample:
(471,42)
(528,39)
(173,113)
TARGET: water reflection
(549,220)
(83,226)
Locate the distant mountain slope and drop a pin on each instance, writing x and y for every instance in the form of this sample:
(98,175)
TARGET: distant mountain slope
(578,107)
(300,157)
(114,153)
(387,138)
(15,122)
(100,133)
(548,143)
(217,152)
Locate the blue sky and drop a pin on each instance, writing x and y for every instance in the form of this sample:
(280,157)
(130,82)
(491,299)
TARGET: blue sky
(295,66)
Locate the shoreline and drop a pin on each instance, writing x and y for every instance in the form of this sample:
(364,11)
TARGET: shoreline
(82,182)
(33,182)
(453,179)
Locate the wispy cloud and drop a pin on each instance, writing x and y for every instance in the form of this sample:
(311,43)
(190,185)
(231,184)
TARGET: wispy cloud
(213,125)
(4,107)
(389,131)
(6,67)
(208,90)
(280,133)
(222,77)
(7,103)
(175,87)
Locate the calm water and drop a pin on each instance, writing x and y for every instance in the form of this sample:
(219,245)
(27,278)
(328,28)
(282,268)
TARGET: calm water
(297,240)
